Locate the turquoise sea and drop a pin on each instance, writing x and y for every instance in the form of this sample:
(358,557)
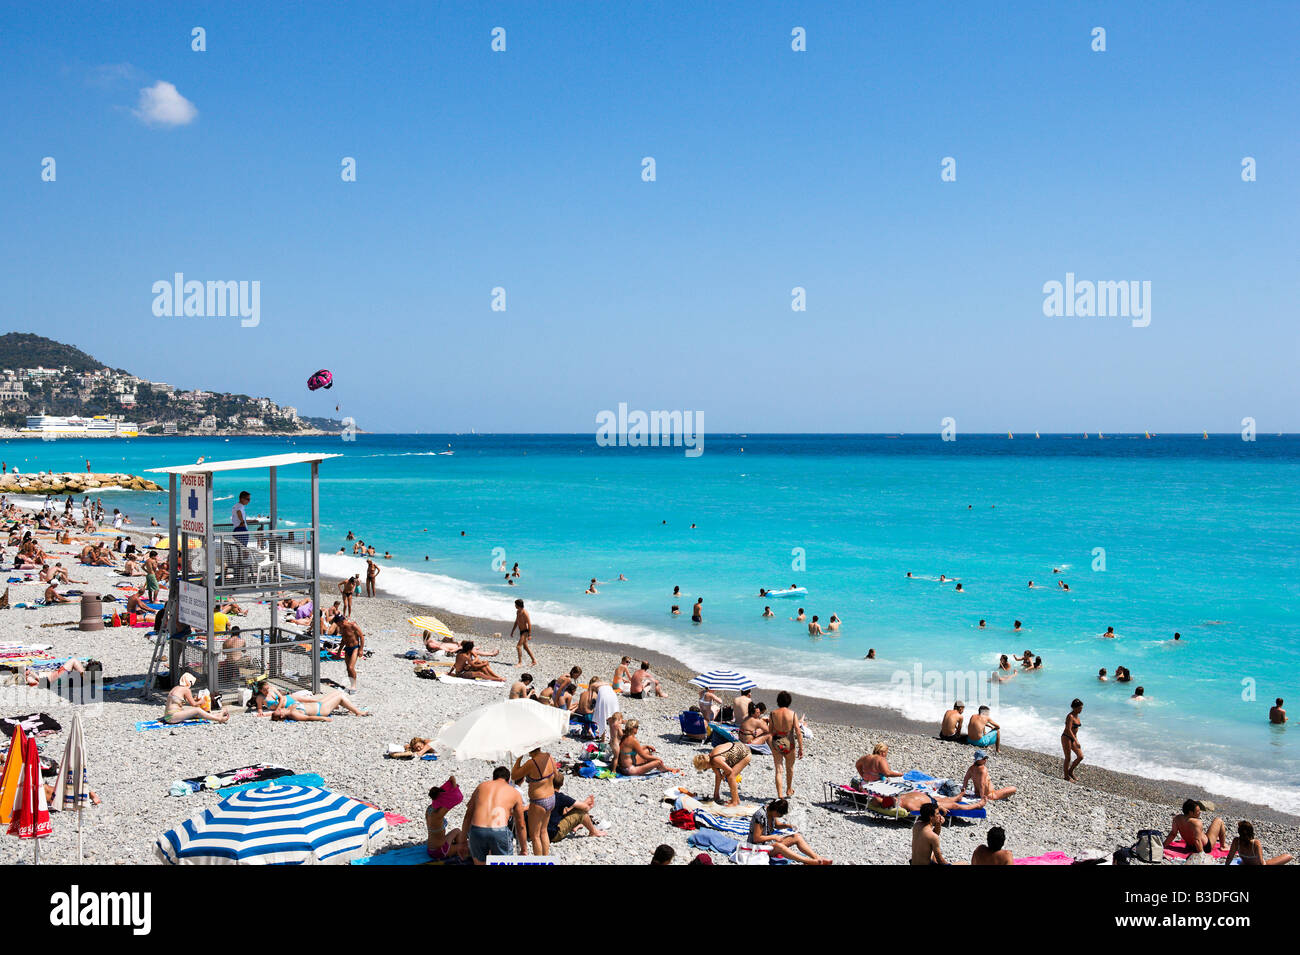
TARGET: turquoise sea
(1199,536)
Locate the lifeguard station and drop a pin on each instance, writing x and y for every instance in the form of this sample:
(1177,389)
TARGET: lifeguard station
(210,563)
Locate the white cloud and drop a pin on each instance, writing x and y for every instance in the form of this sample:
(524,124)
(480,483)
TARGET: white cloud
(162,105)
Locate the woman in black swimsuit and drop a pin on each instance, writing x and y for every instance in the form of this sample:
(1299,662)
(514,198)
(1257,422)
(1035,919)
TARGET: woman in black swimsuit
(1070,740)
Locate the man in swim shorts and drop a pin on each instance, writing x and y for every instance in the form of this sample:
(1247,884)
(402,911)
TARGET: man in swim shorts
(495,809)
(950,725)
(1188,826)
(524,624)
(354,645)
(983,732)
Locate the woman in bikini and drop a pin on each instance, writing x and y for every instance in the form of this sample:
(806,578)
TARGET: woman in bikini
(727,761)
(182,706)
(635,758)
(787,742)
(1250,849)
(316,711)
(538,769)
(270,697)
(622,676)
(1070,741)
(443,844)
(753,729)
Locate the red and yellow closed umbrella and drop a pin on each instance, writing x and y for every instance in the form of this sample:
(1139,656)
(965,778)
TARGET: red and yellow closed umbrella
(31,816)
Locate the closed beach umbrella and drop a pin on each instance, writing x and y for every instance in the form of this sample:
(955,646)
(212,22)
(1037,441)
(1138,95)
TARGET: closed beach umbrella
(275,825)
(31,818)
(431,625)
(73,789)
(13,772)
(723,680)
(496,732)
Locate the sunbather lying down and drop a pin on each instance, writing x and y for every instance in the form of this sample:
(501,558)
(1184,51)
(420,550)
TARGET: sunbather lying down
(313,711)
(432,643)
(913,801)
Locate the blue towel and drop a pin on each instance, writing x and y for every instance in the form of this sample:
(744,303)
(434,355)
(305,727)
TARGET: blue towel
(716,841)
(143,725)
(301,779)
(736,827)
(407,855)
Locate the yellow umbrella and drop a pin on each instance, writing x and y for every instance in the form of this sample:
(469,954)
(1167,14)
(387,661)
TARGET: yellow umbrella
(12,774)
(431,625)
(166,543)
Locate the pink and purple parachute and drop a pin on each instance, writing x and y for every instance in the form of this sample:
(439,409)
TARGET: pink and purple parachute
(322,379)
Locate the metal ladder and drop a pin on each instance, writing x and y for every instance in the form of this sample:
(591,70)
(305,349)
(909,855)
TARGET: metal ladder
(161,641)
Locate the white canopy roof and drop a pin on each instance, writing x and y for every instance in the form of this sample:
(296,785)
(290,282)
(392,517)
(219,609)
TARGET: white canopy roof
(244,464)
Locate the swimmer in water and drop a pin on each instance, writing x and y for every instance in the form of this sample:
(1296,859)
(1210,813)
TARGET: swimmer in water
(1063,585)
(1101,675)
(1276,714)
(959,590)
(814,628)
(762,592)
(1177,636)
(1138,694)
(1026,658)
(982,625)
(1122,675)
(591,589)
(834,623)
(1031,585)
(621,577)
(677,591)
(942,578)
(1018,627)
(909,573)
(697,612)
(767,612)
(800,618)
(871,654)
(677,611)
(1110,633)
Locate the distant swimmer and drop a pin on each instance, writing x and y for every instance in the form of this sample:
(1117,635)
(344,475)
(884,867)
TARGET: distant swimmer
(1031,585)
(1138,694)
(692,527)
(982,624)
(871,654)
(1038,663)
(1110,633)
(697,612)
(959,590)
(814,628)
(1063,585)
(800,618)
(1101,675)
(514,571)
(591,589)
(510,580)
(677,591)
(621,577)
(1177,636)
(762,591)
(1276,714)
(1122,675)
(1025,659)
(1056,570)
(767,612)
(1004,671)
(677,611)
(942,578)
(1018,627)
(834,623)
(909,574)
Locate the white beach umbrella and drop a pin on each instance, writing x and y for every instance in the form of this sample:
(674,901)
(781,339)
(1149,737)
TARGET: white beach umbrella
(722,680)
(275,825)
(73,789)
(496,732)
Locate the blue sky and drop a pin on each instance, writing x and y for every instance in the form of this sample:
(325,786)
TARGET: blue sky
(775,169)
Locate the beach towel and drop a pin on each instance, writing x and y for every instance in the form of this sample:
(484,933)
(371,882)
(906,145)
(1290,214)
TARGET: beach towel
(713,841)
(1047,858)
(1175,850)
(461,680)
(260,772)
(407,855)
(737,828)
(142,725)
(33,724)
(303,779)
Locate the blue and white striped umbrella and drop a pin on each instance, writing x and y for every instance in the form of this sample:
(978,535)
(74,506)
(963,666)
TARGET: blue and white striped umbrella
(723,680)
(275,825)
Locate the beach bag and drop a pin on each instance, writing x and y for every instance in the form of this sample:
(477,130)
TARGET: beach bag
(1149,846)
(751,855)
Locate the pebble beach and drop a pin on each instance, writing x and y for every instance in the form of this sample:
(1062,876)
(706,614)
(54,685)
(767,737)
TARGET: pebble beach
(132,771)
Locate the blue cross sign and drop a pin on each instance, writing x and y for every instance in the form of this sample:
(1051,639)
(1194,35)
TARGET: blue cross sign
(193,504)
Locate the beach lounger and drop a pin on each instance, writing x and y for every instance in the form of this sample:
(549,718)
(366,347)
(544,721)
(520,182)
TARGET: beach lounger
(694,725)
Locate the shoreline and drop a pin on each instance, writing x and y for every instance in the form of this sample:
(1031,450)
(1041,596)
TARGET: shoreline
(860,717)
